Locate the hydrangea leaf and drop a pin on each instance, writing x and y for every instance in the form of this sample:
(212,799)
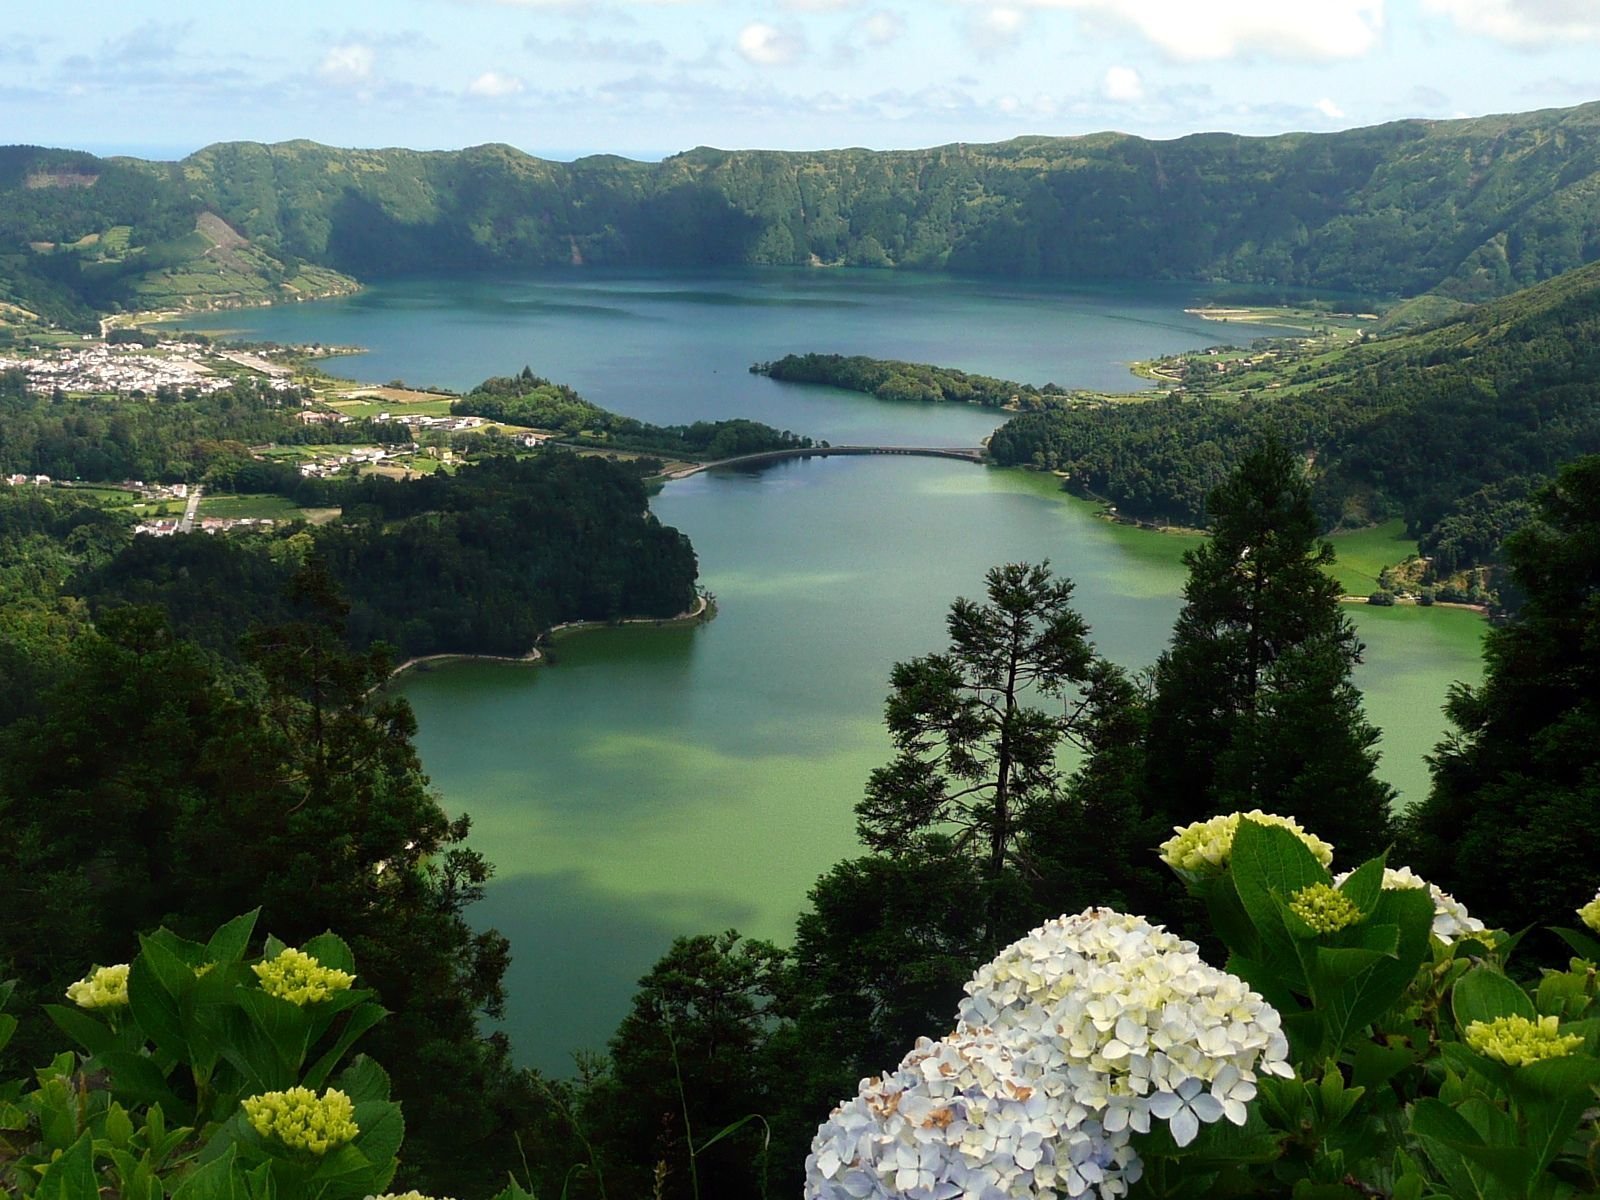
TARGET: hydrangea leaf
(331,950)
(1483,994)
(1270,864)
(216,1180)
(1373,992)
(1365,884)
(71,1176)
(229,943)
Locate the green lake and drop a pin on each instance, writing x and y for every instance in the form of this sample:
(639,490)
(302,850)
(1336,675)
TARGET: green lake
(654,782)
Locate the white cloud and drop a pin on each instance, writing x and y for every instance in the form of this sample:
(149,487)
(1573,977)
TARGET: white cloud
(996,27)
(1206,30)
(1524,22)
(494,85)
(883,27)
(821,5)
(1123,84)
(347,65)
(1329,109)
(768,46)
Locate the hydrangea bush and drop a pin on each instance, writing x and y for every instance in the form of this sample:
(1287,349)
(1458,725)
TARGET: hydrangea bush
(1365,1040)
(1067,1045)
(207,1074)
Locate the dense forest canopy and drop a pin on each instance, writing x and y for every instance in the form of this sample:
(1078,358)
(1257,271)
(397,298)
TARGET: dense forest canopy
(1449,428)
(1470,209)
(527,399)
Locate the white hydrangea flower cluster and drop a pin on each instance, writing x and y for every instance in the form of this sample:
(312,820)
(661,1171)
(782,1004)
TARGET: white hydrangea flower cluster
(1450,917)
(1068,1043)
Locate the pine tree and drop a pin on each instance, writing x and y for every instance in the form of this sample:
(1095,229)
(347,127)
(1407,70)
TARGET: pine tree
(1509,826)
(1254,705)
(973,750)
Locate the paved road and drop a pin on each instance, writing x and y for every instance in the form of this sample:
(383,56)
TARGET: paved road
(187,524)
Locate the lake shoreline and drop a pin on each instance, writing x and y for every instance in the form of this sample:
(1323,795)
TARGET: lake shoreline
(704,609)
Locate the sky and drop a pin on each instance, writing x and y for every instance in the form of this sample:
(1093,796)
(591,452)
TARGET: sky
(646,78)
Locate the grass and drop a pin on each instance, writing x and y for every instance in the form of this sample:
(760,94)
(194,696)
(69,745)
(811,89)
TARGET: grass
(433,407)
(150,510)
(250,505)
(108,495)
(1363,553)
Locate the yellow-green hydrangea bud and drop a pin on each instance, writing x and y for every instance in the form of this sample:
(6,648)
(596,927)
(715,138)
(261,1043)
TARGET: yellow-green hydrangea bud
(1589,914)
(299,978)
(1324,908)
(299,1120)
(1205,847)
(103,987)
(1517,1041)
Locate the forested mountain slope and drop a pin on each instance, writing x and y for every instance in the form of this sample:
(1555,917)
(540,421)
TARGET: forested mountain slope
(1470,208)
(1450,427)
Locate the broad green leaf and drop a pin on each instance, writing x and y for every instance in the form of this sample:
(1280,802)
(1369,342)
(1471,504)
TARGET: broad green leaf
(1376,1065)
(139,1081)
(359,1021)
(155,1008)
(1229,920)
(330,950)
(337,1170)
(1561,993)
(191,954)
(286,1026)
(1329,968)
(1553,1096)
(362,1080)
(93,1035)
(229,943)
(70,1177)
(216,1180)
(382,1130)
(1441,1131)
(119,1125)
(1483,994)
(1465,1062)
(1375,990)
(1365,884)
(1270,864)
(8,1026)
(1585,946)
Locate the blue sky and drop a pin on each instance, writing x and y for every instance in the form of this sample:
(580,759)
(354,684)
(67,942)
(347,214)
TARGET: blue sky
(650,77)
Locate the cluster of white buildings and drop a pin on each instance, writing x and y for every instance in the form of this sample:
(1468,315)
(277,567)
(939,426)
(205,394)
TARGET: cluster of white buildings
(421,421)
(123,369)
(167,526)
(356,456)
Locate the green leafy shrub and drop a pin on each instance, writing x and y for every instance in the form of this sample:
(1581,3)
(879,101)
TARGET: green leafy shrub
(204,1073)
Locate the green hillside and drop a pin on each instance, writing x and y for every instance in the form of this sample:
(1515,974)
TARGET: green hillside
(1448,428)
(1466,209)
(81,236)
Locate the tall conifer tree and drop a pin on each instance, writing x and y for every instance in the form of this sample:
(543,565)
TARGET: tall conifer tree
(1509,826)
(1253,705)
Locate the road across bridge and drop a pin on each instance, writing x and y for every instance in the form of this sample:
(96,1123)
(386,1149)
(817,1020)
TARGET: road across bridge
(972,454)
